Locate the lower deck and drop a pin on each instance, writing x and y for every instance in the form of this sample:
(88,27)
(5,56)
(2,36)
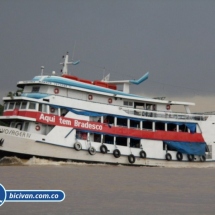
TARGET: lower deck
(12,140)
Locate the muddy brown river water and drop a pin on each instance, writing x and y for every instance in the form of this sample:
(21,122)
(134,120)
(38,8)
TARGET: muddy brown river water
(106,189)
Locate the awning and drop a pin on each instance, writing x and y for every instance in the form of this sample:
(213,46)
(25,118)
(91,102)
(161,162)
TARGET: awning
(190,148)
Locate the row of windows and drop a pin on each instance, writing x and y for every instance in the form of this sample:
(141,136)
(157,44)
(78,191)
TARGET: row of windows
(20,125)
(127,103)
(121,141)
(35,89)
(146,125)
(23,105)
(138,105)
(124,122)
(30,126)
(19,105)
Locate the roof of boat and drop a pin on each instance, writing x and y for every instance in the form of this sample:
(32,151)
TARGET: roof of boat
(68,83)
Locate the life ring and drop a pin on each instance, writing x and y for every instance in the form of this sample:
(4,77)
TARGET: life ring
(179,156)
(77,146)
(90,97)
(190,157)
(142,154)
(168,157)
(110,100)
(52,110)
(37,127)
(56,90)
(103,149)
(92,150)
(131,158)
(168,107)
(116,153)
(202,158)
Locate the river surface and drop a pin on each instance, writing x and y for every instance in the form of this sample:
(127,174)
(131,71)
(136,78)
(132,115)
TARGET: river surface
(105,189)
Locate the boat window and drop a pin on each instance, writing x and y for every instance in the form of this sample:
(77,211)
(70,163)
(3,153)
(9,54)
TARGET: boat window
(109,119)
(138,105)
(25,127)
(40,107)
(23,105)
(208,149)
(12,124)
(43,108)
(17,106)
(5,105)
(147,125)
(81,135)
(149,106)
(11,105)
(134,124)
(135,143)
(32,105)
(171,127)
(159,126)
(97,138)
(183,128)
(127,103)
(121,141)
(95,118)
(35,89)
(63,111)
(108,139)
(19,125)
(122,122)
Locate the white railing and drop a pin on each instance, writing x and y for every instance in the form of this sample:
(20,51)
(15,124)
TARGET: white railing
(165,114)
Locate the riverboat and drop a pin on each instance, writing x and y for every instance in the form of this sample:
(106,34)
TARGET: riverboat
(70,118)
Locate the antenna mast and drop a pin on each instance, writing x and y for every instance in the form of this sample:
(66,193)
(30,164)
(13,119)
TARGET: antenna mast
(66,63)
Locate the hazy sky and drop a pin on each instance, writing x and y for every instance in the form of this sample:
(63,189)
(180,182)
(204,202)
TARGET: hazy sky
(173,40)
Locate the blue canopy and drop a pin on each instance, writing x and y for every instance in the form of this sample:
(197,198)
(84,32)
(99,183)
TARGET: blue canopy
(85,113)
(191,126)
(190,148)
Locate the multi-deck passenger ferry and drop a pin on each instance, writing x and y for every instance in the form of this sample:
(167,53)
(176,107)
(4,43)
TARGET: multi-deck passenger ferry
(66,117)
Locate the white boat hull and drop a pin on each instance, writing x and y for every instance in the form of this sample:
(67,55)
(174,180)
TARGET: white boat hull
(24,146)
(50,115)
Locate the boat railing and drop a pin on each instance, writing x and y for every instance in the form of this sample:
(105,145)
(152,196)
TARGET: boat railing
(165,114)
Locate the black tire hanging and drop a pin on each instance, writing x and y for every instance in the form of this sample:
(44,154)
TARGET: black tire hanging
(103,149)
(168,157)
(116,153)
(77,146)
(179,156)
(142,154)
(190,157)
(131,158)
(92,150)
